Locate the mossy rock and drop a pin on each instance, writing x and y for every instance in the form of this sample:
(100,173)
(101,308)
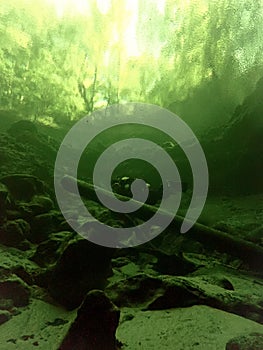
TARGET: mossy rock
(4,316)
(39,204)
(41,226)
(23,187)
(14,232)
(49,251)
(252,341)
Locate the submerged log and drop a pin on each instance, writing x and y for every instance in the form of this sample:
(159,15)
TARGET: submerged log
(248,252)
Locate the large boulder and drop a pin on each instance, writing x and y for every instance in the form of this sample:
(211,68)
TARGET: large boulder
(83,266)
(95,325)
(22,186)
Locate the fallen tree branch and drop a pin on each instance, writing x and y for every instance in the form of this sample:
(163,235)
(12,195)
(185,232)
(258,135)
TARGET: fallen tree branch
(221,241)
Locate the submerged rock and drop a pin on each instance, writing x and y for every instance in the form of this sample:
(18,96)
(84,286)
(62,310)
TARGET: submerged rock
(173,264)
(95,325)
(161,292)
(23,186)
(37,206)
(83,266)
(41,226)
(4,316)
(252,341)
(49,251)
(4,201)
(13,288)
(14,232)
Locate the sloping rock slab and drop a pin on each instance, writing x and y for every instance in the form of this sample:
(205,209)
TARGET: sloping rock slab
(193,328)
(164,292)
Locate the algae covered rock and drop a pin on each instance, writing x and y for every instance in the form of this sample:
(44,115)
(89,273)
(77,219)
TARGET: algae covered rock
(252,341)
(38,205)
(14,232)
(41,226)
(23,186)
(4,202)
(4,316)
(49,251)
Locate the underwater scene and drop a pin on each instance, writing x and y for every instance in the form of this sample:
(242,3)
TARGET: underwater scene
(131,164)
